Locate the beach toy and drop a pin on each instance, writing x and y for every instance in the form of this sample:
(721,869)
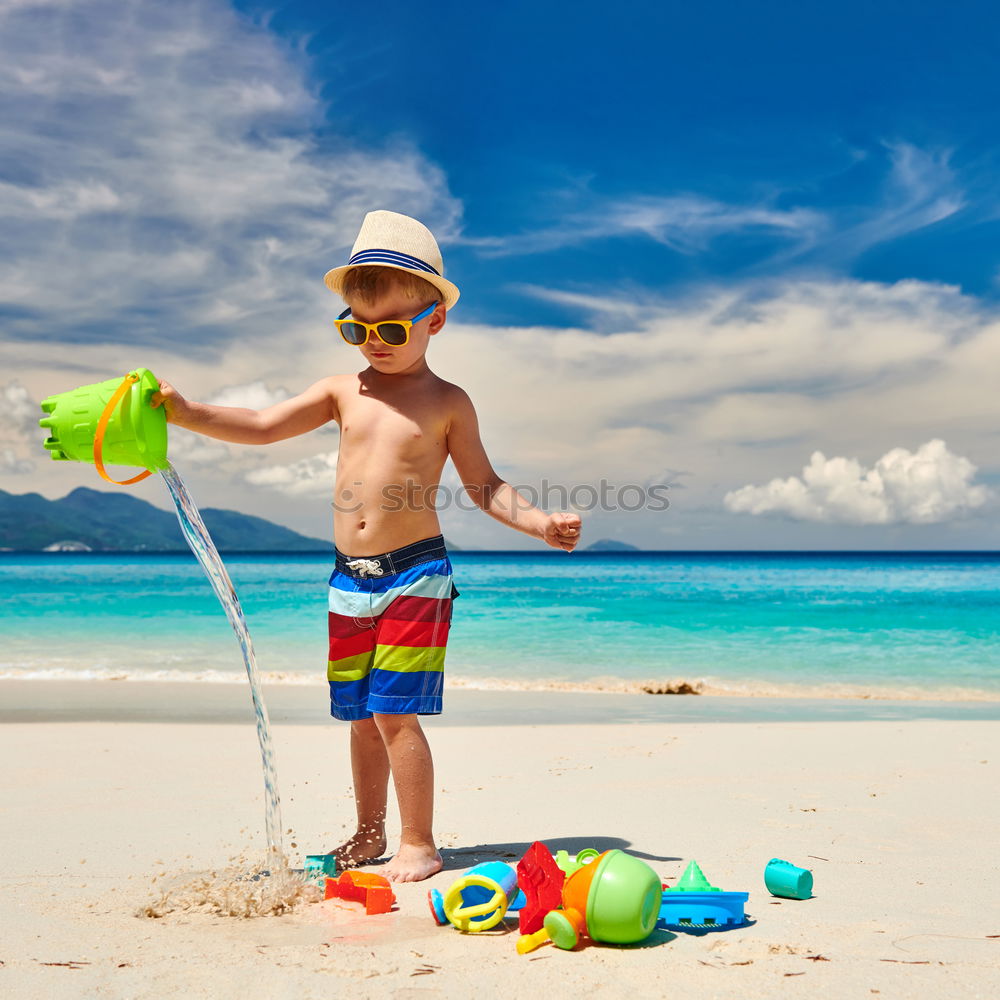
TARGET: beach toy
(541,880)
(109,422)
(695,902)
(478,900)
(583,858)
(782,878)
(362,887)
(317,866)
(614,899)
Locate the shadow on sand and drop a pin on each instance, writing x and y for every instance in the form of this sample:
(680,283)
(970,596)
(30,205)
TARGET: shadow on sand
(465,857)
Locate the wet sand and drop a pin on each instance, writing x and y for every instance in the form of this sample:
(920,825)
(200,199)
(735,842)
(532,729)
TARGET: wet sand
(229,703)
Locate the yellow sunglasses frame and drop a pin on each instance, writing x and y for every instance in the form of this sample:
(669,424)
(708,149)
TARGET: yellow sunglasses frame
(372,328)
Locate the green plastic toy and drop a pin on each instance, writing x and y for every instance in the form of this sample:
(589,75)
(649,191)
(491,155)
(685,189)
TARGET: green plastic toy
(693,880)
(109,422)
(614,899)
(569,866)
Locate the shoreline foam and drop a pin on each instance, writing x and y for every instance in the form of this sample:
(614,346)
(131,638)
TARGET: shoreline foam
(675,686)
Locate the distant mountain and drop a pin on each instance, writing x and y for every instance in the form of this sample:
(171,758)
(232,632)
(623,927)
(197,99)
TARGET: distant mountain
(610,545)
(120,522)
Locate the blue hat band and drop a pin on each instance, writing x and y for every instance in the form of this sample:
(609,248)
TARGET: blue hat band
(394,257)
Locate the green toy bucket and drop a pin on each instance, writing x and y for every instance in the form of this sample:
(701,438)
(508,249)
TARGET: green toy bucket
(624,900)
(109,422)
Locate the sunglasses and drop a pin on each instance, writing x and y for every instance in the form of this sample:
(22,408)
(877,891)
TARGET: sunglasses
(394,332)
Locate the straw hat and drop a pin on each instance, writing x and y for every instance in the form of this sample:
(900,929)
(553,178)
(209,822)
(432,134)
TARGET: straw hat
(389,239)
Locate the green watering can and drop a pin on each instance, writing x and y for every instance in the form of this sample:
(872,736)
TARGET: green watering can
(89,425)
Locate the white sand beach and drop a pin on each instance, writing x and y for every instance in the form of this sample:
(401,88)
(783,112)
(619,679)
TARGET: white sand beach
(897,817)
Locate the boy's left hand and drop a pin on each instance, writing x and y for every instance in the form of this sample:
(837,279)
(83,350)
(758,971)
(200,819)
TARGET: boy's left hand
(562,531)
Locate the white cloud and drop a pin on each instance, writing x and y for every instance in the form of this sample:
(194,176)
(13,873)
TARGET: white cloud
(787,348)
(186,448)
(19,413)
(755,416)
(12,464)
(167,176)
(927,486)
(737,385)
(259,395)
(686,223)
(255,395)
(921,189)
(311,477)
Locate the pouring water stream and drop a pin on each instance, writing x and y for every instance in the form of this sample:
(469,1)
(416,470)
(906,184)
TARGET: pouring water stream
(208,555)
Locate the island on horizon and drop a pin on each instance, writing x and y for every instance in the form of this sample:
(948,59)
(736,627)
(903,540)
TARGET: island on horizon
(99,521)
(611,545)
(87,520)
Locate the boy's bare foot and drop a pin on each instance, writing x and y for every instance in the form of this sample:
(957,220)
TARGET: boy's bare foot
(413,863)
(363,848)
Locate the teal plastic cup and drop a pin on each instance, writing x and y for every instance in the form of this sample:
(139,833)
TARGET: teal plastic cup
(317,867)
(784,879)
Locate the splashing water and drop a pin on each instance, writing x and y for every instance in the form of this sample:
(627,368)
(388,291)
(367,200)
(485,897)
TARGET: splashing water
(208,555)
(236,891)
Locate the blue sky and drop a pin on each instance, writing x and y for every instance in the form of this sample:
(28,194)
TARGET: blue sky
(707,244)
(855,138)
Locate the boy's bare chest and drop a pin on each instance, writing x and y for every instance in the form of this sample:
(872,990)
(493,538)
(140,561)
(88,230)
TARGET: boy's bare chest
(410,427)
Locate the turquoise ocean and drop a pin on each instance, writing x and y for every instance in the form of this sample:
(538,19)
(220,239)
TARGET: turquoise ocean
(819,624)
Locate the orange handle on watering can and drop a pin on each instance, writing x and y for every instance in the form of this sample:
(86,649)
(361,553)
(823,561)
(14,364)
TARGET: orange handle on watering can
(102,426)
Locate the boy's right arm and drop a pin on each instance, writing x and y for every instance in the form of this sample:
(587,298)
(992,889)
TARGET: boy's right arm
(305,412)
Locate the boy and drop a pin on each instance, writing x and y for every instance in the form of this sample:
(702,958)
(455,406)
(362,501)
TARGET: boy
(390,599)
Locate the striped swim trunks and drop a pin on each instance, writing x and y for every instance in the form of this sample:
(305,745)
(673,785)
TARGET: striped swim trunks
(389,619)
